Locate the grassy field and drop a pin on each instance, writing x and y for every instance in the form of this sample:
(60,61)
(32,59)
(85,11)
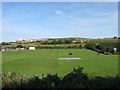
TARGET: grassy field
(46,61)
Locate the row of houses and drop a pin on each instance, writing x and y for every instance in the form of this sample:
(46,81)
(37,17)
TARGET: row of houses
(9,49)
(24,41)
(31,40)
(51,39)
(20,40)
(17,49)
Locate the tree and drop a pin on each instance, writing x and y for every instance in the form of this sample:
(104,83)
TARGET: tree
(68,41)
(91,46)
(115,37)
(19,46)
(46,42)
(107,47)
(60,41)
(54,42)
(80,46)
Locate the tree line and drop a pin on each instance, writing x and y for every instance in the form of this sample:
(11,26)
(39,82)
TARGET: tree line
(57,42)
(103,47)
(78,46)
(60,47)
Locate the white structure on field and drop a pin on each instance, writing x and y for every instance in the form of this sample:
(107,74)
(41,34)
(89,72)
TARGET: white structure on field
(69,58)
(31,48)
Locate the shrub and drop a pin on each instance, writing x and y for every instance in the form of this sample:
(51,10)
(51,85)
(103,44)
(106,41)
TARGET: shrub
(14,80)
(19,46)
(91,46)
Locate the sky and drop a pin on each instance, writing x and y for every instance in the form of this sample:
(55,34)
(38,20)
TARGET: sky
(34,20)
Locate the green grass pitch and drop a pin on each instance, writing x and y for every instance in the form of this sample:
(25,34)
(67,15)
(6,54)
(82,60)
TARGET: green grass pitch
(46,61)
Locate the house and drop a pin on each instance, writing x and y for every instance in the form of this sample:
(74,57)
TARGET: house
(81,41)
(73,41)
(115,49)
(3,49)
(31,48)
(20,49)
(7,49)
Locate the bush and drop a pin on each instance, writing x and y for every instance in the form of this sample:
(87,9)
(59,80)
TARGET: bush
(14,80)
(91,46)
(107,47)
(19,46)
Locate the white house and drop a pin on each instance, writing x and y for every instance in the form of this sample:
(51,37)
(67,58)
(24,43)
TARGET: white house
(31,48)
(115,49)
(81,41)
(22,49)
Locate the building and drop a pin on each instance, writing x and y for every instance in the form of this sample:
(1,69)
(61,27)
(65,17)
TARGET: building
(3,49)
(31,48)
(115,49)
(20,49)
(7,49)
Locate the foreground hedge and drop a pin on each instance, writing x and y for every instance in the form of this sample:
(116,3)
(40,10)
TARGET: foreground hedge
(75,79)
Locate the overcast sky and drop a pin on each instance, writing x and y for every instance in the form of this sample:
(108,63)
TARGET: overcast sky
(60,19)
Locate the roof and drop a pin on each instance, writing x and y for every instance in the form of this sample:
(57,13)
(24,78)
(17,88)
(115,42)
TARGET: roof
(7,48)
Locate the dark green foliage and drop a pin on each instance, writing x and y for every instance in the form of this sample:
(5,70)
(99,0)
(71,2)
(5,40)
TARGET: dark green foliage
(53,81)
(75,79)
(80,46)
(58,47)
(68,41)
(60,41)
(5,43)
(45,43)
(103,47)
(19,46)
(14,80)
(105,82)
(78,42)
(54,42)
(108,47)
(91,46)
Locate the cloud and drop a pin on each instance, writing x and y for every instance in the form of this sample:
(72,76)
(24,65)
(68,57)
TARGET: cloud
(58,12)
(93,27)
